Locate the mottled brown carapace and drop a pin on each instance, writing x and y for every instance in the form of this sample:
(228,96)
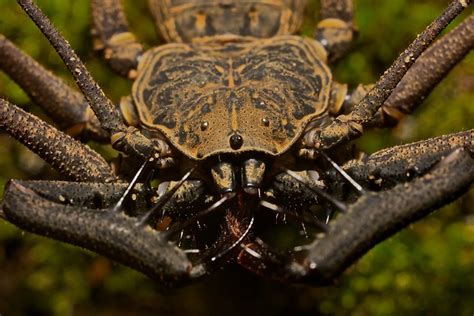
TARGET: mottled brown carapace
(187,21)
(240,95)
(235,81)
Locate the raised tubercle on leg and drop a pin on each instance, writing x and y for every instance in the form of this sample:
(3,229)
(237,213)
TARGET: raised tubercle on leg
(348,127)
(66,106)
(68,156)
(378,215)
(128,140)
(432,66)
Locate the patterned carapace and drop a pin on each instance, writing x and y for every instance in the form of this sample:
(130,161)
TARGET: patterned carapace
(186,21)
(239,85)
(240,95)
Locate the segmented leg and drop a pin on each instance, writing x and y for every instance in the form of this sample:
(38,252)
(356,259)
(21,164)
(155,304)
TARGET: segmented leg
(81,214)
(372,218)
(64,105)
(432,66)
(401,163)
(336,29)
(68,156)
(128,140)
(376,216)
(121,49)
(348,127)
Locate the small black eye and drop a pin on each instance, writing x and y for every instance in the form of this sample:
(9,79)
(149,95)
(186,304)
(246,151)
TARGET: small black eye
(236,141)
(204,125)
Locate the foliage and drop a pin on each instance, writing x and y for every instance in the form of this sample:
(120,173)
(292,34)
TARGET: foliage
(426,269)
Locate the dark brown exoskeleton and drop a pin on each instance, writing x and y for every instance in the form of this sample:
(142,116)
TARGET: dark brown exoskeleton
(237,119)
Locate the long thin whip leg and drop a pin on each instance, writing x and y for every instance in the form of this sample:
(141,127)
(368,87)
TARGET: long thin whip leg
(236,243)
(346,176)
(125,139)
(348,127)
(173,230)
(151,215)
(341,206)
(130,187)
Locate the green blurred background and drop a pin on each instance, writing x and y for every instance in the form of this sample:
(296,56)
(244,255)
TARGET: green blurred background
(426,269)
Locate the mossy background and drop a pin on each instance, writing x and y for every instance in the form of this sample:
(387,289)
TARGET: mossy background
(426,269)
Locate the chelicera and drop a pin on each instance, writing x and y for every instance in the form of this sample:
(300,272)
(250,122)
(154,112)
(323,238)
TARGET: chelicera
(238,121)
